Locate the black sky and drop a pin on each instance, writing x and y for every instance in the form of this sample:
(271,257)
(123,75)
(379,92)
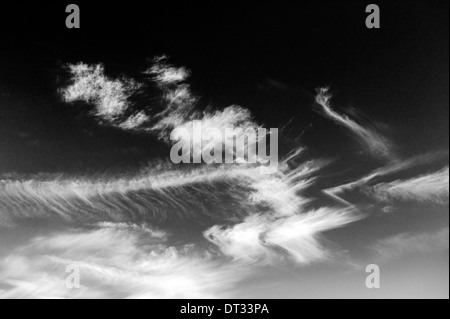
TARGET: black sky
(268,58)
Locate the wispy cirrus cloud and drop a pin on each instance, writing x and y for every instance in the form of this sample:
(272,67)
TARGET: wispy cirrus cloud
(432,187)
(179,102)
(177,109)
(165,73)
(154,194)
(273,218)
(135,121)
(176,112)
(231,130)
(263,239)
(181,111)
(112,98)
(429,184)
(289,230)
(114,261)
(375,142)
(118,258)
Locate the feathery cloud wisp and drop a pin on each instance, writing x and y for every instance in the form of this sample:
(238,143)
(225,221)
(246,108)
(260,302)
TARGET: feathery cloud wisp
(260,239)
(364,183)
(373,141)
(432,187)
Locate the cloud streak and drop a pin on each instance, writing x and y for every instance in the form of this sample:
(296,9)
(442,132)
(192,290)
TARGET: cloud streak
(365,183)
(263,239)
(375,143)
(432,187)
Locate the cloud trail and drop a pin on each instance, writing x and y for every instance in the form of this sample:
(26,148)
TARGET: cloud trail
(154,194)
(377,144)
(165,73)
(261,238)
(118,258)
(268,205)
(432,187)
(398,166)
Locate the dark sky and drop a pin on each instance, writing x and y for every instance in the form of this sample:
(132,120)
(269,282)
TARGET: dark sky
(268,58)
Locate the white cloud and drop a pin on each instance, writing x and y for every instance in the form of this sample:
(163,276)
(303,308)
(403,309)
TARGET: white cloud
(373,141)
(114,262)
(165,74)
(144,195)
(119,259)
(274,220)
(269,239)
(243,242)
(396,166)
(107,198)
(111,97)
(286,229)
(232,123)
(432,187)
(134,121)
(179,105)
(300,235)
